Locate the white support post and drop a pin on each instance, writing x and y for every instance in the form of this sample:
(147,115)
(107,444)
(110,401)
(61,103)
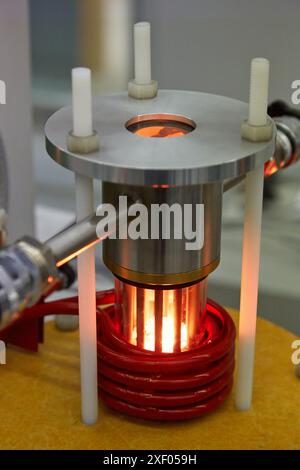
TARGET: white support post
(142,87)
(83,128)
(87,308)
(249,287)
(142,53)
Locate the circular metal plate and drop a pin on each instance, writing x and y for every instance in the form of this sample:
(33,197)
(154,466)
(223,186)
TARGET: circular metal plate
(214,151)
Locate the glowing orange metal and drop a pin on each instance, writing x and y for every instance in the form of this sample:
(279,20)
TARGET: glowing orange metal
(161,131)
(168,323)
(162,320)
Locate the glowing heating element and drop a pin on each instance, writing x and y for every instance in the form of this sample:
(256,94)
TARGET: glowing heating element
(162,320)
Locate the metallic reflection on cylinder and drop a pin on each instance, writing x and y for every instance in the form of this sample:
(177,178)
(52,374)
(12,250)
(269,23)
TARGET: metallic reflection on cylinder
(159,317)
(140,317)
(170,320)
(178,305)
(163,259)
(128,309)
(196,309)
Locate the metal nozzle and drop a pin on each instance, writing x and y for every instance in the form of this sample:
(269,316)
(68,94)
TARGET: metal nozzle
(28,266)
(25,270)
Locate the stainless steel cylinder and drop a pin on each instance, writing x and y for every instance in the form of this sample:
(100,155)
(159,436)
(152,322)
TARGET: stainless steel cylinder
(166,261)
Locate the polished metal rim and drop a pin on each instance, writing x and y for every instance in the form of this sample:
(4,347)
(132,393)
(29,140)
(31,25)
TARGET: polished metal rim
(214,151)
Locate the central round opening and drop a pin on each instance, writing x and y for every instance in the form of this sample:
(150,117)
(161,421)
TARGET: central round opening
(160,125)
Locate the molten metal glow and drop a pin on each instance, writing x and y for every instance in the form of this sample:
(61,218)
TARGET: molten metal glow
(162,320)
(160,125)
(161,131)
(167,336)
(168,323)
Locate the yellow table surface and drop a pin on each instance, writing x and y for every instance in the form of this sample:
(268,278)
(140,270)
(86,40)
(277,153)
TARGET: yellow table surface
(40,404)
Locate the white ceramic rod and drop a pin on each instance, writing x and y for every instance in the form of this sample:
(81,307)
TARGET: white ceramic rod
(115,26)
(249,287)
(87,308)
(142,53)
(82,102)
(259,89)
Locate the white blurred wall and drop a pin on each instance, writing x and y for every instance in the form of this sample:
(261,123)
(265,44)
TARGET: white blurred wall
(207,44)
(15,115)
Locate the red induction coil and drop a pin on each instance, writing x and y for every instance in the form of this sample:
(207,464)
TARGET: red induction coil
(148,384)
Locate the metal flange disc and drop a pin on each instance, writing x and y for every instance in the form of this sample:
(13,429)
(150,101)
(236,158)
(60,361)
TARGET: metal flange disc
(213,151)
